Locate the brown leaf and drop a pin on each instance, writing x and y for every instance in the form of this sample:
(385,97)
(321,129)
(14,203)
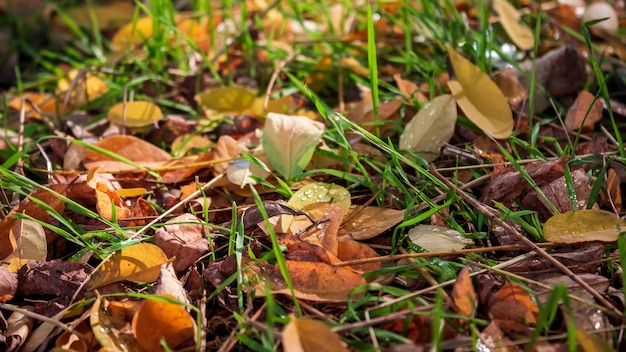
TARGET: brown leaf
(584,113)
(362,223)
(8,284)
(183,237)
(463,294)
(506,187)
(352,250)
(128,147)
(54,278)
(513,303)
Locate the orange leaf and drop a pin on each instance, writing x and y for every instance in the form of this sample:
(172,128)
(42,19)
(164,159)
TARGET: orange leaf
(463,294)
(512,302)
(158,320)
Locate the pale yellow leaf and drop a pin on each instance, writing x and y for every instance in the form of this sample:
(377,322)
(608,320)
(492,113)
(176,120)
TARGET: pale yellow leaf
(307,335)
(320,193)
(520,34)
(430,128)
(438,238)
(480,98)
(583,226)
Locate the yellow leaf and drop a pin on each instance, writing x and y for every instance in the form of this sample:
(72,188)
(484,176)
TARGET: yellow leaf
(319,193)
(226,99)
(131,192)
(519,33)
(135,114)
(582,226)
(132,33)
(158,320)
(137,263)
(30,244)
(480,98)
(592,343)
(307,335)
(87,88)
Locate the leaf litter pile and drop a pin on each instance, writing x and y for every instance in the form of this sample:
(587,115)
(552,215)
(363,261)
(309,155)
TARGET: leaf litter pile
(313,176)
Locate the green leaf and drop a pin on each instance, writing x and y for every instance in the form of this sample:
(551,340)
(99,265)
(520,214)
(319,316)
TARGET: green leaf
(289,142)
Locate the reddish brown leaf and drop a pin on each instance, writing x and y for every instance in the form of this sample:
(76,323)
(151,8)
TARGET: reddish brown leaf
(585,112)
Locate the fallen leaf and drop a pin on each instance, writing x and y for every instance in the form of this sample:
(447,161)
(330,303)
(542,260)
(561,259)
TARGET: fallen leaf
(127,147)
(513,303)
(47,104)
(240,172)
(307,335)
(438,238)
(463,294)
(18,328)
(592,343)
(109,322)
(480,98)
(320,192)
(314,281)
(583,226)
(500,335)
(362,223)
(289,142)
(137,263)
(53,278)
(105,17)
(511,86)
(135,114)
(430,128)
(30,244)
(584,113)
(353,250)
(184,237)
(520,34)
(159,319)
(8,284)
(87,87)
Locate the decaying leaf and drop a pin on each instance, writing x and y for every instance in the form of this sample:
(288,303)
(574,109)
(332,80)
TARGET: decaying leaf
(289,142)
(463,294)
(480,98)
(30,244)
(584,113)
(47,104)
(131,148)
(315,281)
(307,335)
(110,324)
(513,303)
(8,284)
(87,87)
(160,319)
(362,223)
(135,114)
(519,33)
(430,128)
(184,237)
(138,263)
(438,238)
(583,226)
